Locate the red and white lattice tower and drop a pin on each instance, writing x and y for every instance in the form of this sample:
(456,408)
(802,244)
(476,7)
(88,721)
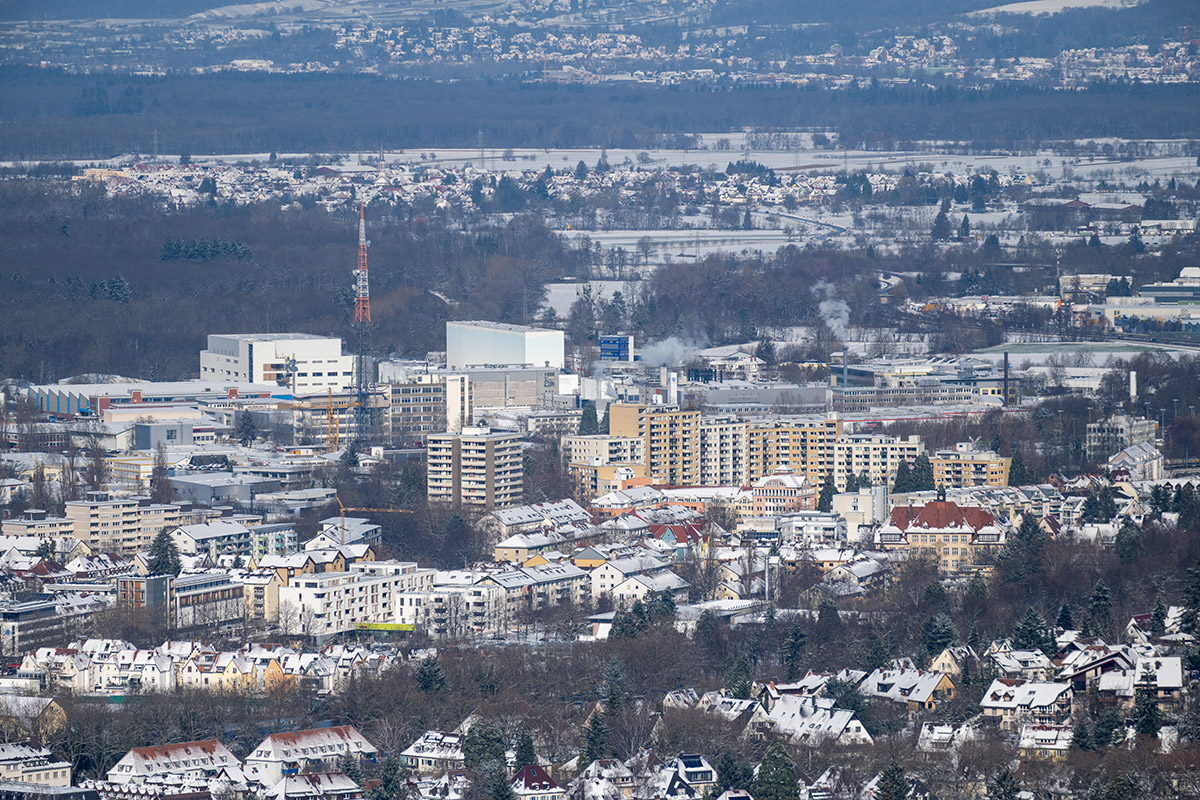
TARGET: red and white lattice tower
(362,290)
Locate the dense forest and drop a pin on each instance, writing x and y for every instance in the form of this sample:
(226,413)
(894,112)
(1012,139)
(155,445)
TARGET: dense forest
(94,284)
(50,114)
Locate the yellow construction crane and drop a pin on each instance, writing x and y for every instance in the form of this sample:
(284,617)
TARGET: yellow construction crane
(332,433)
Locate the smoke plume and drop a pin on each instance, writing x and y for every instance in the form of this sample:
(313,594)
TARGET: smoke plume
(835,313)
(670,352)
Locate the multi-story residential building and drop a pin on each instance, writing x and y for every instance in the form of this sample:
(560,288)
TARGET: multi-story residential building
(118,526)
(30,624)
(505,522)
(1116,433)
(781,492)
(216,537)
(328,603)
(206,600)
(953,537)
(456,611)
(36,522)
(877,455)
(273,539)
(967,465)
(599,464)
(476,469)
(603,449)
(1014,703)
(723,451)
(428,403)
(260,590)
(283,754)
(803,446)
(670,437)
(302,362)
(25,762)
(335,602)
(186,760)
(186,601)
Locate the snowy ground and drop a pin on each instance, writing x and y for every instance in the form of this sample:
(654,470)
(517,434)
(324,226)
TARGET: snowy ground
(806,160)
(1042,7)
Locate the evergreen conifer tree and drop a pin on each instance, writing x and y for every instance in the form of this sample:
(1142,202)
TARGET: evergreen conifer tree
(526,756)
(893,783)
(1065,620)
(776,779)
(164,555)
(589,425)
(430,676)
(828,490)
(903,481)
(595,739)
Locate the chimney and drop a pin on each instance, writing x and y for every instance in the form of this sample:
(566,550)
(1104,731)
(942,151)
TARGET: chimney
(1133,386)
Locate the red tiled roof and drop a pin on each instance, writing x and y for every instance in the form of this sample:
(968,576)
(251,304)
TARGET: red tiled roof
(940,515)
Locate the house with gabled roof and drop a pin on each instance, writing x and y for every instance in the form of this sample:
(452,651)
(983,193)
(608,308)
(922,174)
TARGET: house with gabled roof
(1159,678)
(1083,661)
(1045,742)
(285,754)
(1012,703)
(603,779)
(952,659)
(187,759)
(917,690)
(808,721)
(533,782)
(315,786)
(434,752)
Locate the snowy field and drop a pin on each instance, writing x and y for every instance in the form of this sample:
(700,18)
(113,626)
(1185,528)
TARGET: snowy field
(1043,164)
(1044,7)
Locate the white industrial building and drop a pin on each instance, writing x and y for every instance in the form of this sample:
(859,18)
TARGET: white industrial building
(480,343)
(301,361)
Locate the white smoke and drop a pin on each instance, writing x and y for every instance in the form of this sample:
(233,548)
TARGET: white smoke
(670,352)
(834,313)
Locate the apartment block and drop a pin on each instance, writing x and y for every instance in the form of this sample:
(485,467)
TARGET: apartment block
(875,454)
(723,451)
(670,437)
(336,602)
(803,446)
(118,526)
(603,449)
(476,469)
(965,465)
(36,522)
(1116,433)
(428,403)
(595,480)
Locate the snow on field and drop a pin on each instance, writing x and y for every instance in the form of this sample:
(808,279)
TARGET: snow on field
(1044,7)
(560,296)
